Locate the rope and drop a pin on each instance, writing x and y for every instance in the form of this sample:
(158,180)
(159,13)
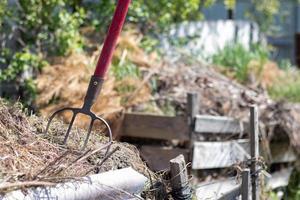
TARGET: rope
(182,193)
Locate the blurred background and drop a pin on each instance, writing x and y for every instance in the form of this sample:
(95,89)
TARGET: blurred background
(234,34)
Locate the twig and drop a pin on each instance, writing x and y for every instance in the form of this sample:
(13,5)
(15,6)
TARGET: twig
(51,164)
(82,157)
(104,159)
(6,186)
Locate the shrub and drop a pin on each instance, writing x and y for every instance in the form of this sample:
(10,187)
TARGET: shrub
(125,69)
(3,4)
(50,25)
(236,58)
(20,71)
(148,15)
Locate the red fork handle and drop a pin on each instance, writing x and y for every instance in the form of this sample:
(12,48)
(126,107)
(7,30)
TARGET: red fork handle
(111,38)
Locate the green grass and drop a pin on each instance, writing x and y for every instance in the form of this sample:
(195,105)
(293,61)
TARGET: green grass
(236,57)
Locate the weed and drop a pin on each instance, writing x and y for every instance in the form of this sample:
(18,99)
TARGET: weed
(236,58)
(125,69)
(286,87)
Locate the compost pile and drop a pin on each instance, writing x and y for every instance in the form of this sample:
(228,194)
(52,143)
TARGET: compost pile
(222,96)
(29,157)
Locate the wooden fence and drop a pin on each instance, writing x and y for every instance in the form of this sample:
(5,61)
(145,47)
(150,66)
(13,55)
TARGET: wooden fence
(188,135)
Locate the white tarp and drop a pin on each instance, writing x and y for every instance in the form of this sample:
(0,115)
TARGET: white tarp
(118,185)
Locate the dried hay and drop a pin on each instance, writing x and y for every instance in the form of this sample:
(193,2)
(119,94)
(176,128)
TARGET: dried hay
(266,74)
(65,84)
(29,155)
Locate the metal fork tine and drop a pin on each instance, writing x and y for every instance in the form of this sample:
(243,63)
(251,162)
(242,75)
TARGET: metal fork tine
(88,134)
(52,117)
(109,131)
(69,128)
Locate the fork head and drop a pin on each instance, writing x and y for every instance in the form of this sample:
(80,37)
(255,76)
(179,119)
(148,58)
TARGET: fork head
(75,112)
(93,91)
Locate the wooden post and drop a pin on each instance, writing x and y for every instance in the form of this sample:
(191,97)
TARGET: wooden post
(179,179)
(192,110)
(245,184)
(254,152)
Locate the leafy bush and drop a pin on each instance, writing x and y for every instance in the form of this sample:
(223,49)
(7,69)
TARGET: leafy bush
(286,87)
(20,70)
(2,10)
(236,58)
(20,63)
(263,12)
(50,25)
(148,14)
(33,30)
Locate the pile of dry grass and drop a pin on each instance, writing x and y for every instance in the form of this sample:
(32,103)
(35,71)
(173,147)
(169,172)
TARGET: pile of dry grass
(64,84)
(30,156)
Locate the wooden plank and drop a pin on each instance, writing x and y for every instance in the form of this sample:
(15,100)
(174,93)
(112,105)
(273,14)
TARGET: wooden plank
(158,158)
(209,155)
(219,125)
(215,190)
(279,179)
(155,127)
(254,149)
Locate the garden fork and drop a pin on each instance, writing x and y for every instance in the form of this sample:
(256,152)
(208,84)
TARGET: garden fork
(97,79)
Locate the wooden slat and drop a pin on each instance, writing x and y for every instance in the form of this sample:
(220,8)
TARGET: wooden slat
(158,158)
(215,190)
(209,155)
(155,127)
(219,125)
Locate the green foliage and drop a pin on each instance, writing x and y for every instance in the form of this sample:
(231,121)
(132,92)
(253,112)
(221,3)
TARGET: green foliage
(19,63)
(29,92)
(67,37)
(39,28)
(149,44)
(125,69)
(50,25)
(3,4)
(236,58)
(230,4)
(164,12)
(149,15)
(263,12)
(100,14)
(294,186)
